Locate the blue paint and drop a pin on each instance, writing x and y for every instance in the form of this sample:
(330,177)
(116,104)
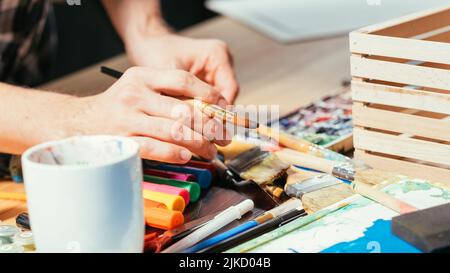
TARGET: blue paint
(377,238)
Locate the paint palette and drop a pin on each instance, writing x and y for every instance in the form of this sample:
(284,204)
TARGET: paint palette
(327,122)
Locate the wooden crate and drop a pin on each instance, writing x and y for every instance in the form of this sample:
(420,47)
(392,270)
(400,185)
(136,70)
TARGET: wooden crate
(401,92)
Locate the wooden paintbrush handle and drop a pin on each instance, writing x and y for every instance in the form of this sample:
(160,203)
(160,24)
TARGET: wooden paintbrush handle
(307,161)
(382,198)
(296,175)
(234,149)
(284,139)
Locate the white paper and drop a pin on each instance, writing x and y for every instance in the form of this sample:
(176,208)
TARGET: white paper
(294,20)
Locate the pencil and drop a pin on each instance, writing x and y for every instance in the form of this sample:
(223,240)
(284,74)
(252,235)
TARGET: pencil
(18,196)
(213,111)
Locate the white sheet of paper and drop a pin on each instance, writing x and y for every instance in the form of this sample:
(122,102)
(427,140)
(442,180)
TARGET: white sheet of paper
(294,20)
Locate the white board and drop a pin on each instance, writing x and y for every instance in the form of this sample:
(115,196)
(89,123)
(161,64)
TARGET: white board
(294,20)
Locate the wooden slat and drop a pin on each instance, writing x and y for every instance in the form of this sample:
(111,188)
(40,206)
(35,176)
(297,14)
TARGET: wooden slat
(400,146)
(400,73)
(365,116)
(401,97)
(412,24)
(410,49)
(437,175)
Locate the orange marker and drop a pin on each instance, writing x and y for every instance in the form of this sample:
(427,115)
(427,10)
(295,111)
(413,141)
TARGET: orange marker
(172,202)
(156,215)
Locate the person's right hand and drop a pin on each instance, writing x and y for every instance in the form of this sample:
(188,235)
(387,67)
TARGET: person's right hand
(142,104)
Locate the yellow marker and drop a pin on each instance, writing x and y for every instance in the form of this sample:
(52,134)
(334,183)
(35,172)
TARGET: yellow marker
(19,196)
(172,202)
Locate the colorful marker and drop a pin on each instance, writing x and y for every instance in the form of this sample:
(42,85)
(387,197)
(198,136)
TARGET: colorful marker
(159,217)
(202,165)
(203,177)
(172,202)
(170,175)
(192,187)
(167,189)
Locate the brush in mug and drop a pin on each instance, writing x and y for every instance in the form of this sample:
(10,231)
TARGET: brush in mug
(361,180)
(212,111)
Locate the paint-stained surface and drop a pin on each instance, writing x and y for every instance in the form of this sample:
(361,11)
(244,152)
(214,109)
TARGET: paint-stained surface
(358,227)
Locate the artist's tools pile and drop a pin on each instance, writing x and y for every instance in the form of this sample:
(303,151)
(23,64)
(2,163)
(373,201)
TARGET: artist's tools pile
(14,240)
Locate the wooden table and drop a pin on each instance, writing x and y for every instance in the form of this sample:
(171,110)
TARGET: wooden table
(269,73)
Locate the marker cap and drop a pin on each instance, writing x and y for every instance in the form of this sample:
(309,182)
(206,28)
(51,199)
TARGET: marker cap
(163,218)
(172,202)
(192,187)
(245,206)
(167,189)
(203,177)
(170,175)
(152,204)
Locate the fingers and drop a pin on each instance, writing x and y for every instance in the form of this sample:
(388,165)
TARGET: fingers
(158,105)
(153,149)
(176,133)
(175,83)
(225,80)
(218,70)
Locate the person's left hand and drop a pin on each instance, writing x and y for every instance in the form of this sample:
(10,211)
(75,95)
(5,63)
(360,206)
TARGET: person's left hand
(208,59)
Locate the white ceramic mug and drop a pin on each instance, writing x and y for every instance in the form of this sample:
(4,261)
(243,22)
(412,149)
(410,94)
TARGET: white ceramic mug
(84,195)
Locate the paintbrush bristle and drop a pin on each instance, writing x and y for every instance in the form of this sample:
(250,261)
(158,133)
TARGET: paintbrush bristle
(376,177)
(267,171)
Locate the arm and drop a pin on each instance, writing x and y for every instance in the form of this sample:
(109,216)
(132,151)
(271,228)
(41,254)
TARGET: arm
(149,42)
(139,105)
(25,112)
(137,18)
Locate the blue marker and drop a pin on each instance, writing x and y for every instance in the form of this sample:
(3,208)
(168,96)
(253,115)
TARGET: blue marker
(275,212)
(203,177)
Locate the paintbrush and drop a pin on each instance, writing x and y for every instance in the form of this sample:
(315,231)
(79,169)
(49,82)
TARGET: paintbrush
(344,171)
(262,167)
(212,111)
(300,182)
(248,164)
(301,145)
(341,170)
(382,198)
(296,224)
(362,180)
(216,112)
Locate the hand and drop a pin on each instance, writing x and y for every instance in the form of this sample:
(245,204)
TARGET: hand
(167,128)
(209,60)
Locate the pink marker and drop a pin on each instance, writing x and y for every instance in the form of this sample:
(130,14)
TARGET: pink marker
(170,175)
(167,189)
